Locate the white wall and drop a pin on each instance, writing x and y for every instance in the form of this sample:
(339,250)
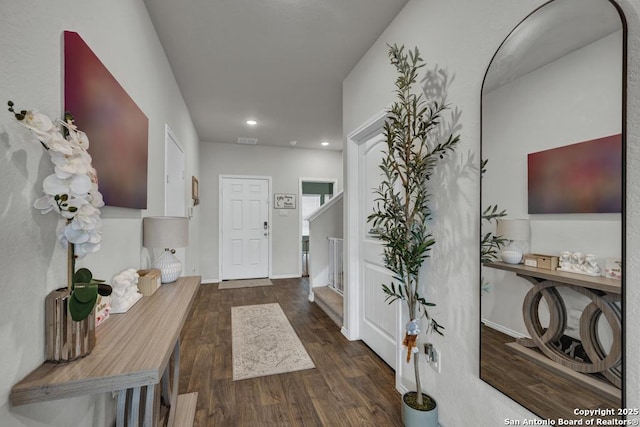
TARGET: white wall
(461,37)
(573,99)
(285,166)
(121,35)
(324,223)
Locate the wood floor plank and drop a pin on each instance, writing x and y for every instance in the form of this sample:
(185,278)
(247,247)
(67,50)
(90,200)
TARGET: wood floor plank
(540,390)
(350,385)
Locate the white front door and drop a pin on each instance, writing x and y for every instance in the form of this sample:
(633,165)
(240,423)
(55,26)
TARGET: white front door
(378,322)
(244,228)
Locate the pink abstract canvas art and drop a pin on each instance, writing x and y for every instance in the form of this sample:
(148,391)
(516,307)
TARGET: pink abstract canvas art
(116,127)
(579,178)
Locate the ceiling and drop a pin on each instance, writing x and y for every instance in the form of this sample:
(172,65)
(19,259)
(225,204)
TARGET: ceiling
(550,33)
(279,62)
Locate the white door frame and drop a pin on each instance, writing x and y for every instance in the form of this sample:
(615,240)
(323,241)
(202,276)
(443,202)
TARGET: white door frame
(269,209)
(352,216)
(301,180)
(353,258)
(170,138)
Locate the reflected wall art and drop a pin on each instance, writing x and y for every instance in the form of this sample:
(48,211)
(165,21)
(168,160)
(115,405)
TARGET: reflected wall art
(579,178)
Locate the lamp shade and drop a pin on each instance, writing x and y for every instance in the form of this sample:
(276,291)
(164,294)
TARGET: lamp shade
(513,229)
(165,232)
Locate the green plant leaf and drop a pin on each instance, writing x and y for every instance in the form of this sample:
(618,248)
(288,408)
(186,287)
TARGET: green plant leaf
(83,275)
(104,289)
(80,310)
(85,292)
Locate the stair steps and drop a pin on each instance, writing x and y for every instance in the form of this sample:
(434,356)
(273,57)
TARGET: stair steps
(330,302)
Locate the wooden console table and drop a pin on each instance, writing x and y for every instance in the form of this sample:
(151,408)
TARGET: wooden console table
(137,354)
(605,297)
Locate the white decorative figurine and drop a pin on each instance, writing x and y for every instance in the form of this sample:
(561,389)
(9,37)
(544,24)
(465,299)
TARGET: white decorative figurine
(565,260)
(125,291)
(591,266)
(577,262)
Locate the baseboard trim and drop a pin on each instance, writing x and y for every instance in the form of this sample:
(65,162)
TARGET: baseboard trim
(284,276)
(503,329)
(347,334)
(277,276)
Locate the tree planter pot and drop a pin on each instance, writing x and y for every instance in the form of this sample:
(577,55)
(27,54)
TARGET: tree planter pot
(66,339)
(412,417)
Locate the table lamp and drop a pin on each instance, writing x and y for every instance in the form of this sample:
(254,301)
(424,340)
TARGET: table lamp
(168,232)
(517,232)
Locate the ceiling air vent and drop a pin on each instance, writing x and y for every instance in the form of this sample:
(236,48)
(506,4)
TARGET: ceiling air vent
(248,141)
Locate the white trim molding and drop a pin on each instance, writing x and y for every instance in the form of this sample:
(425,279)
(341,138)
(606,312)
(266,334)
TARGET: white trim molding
(352,214)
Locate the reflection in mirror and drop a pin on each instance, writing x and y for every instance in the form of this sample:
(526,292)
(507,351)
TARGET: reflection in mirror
(553,119)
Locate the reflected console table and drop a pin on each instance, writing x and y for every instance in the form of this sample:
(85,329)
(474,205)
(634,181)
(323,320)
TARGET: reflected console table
(604,294)
(137,354)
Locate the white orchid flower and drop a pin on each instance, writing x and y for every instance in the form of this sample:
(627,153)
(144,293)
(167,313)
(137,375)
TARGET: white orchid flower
(75,236)
(57,144)
(38,123)
(90,246)
(84,249)
(74,185)
(43,128)
(45,203)
(72,190)
(79,138)
(95,196)
(87,218)
(66,165)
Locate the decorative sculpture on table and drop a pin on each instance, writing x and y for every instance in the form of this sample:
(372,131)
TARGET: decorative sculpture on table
(577,262)
(565,260)
(591,265)
(125,291)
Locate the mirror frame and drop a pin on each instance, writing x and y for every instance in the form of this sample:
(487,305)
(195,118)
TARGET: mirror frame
(623,214)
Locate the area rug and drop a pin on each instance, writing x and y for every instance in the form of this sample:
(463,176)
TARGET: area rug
(264,343)
(245,283)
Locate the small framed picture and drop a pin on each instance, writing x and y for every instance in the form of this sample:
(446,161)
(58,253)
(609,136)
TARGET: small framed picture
(194,191)
(284,201)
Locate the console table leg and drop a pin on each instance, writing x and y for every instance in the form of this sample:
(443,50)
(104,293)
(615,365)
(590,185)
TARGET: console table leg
(174,383)
(149,412)
(129,404)
(121,407)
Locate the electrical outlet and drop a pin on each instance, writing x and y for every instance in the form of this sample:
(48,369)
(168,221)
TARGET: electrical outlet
(436,361)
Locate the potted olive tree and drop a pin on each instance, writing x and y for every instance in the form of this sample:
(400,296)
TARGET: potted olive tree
(401,215)
(490,243)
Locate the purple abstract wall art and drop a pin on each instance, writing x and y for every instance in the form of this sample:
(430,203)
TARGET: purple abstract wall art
(579,178)
(116,127)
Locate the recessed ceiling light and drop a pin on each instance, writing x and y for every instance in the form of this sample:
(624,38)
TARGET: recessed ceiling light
(251,122)
(324,143)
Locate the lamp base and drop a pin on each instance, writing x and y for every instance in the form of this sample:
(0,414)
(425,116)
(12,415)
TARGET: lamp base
(511,256)
(169,266)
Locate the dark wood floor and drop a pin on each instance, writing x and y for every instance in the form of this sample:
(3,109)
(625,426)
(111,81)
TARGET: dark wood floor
(538,389)
(350,386)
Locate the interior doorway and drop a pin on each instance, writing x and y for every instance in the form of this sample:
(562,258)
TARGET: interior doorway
(175,191)
(314,192)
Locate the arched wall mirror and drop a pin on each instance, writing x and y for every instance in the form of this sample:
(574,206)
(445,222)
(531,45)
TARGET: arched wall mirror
(553,136)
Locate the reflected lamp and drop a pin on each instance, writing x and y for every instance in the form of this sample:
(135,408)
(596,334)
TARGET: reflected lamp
(517,232)
(167,232)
